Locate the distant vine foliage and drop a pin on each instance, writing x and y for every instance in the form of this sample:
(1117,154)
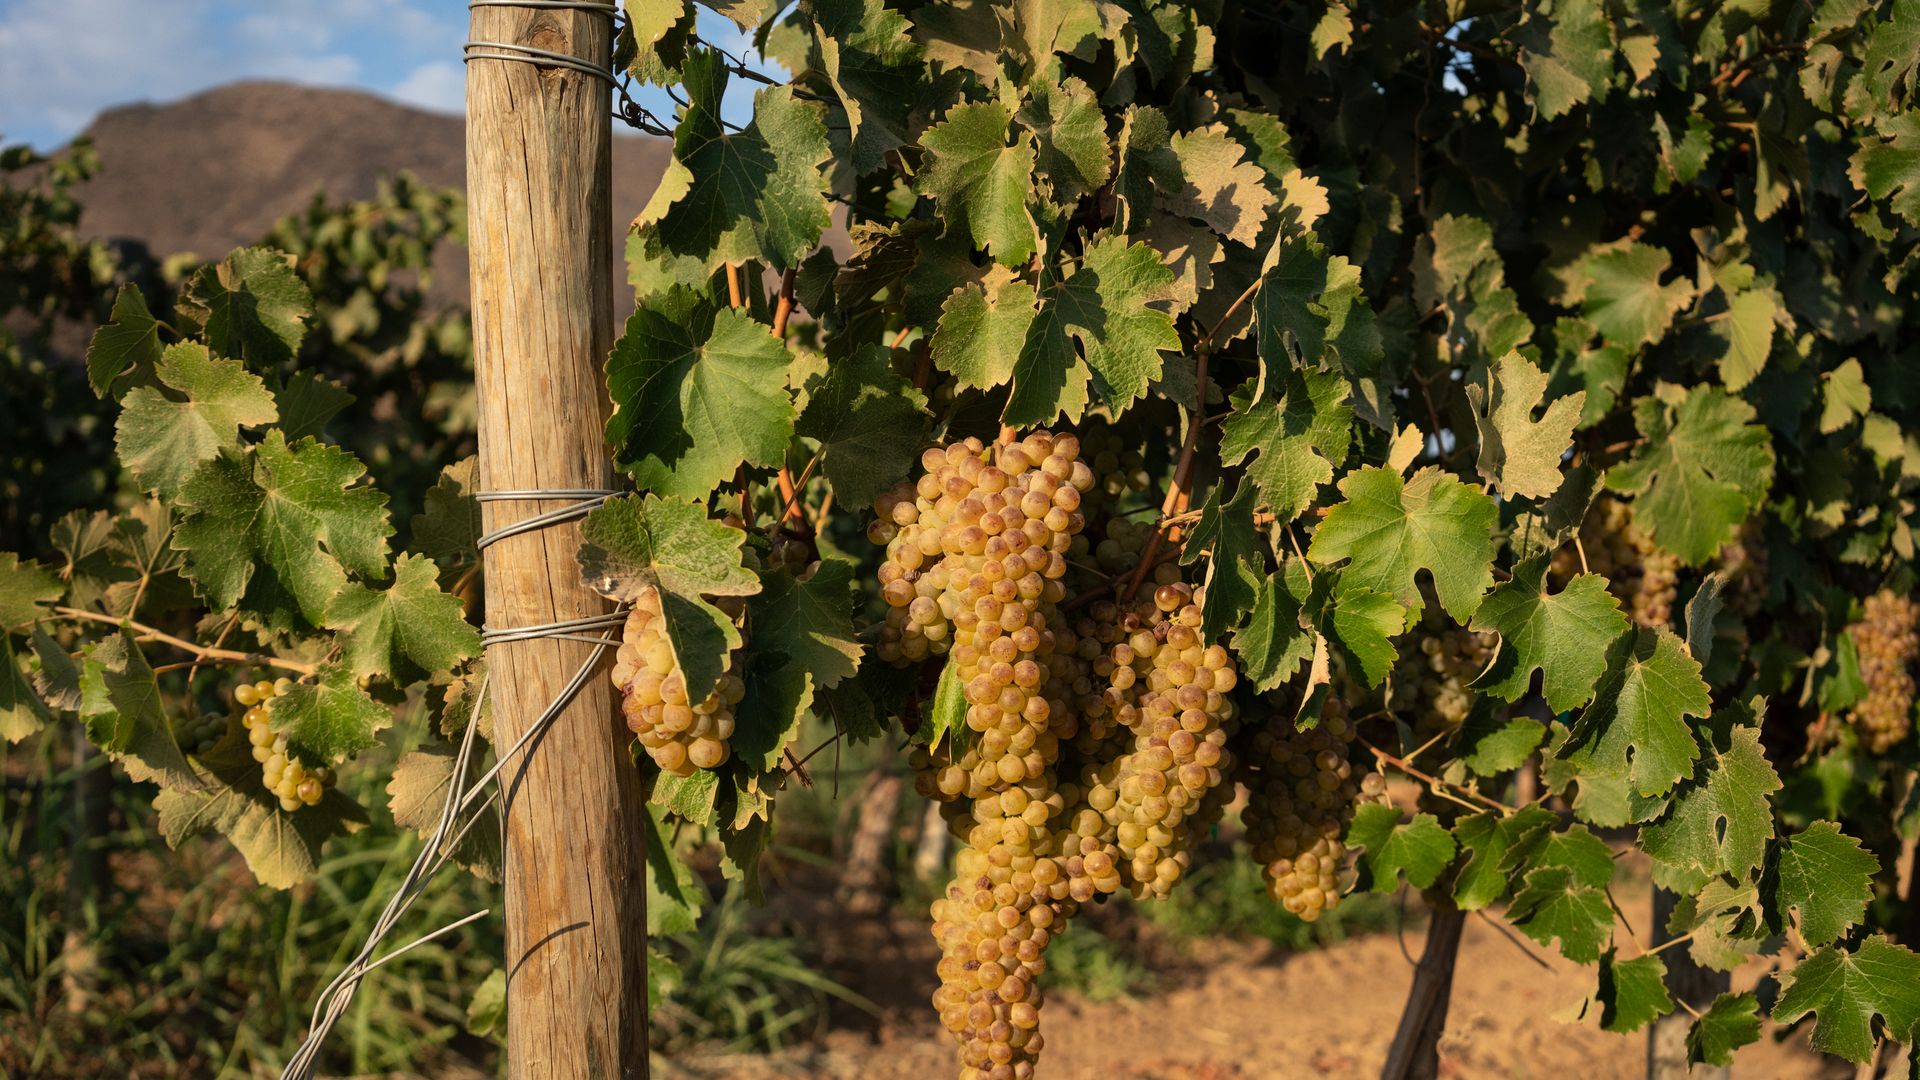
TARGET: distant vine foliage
(1201,395)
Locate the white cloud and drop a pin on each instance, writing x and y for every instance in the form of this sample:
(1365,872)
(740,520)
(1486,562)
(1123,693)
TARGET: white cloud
(440,85)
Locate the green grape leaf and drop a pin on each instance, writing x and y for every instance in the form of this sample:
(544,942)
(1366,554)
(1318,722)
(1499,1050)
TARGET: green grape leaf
(1567,49)
(328,720)
(126,346)
(983,328)
(691,798)
(1071,136)
(980,181)
(279,516)
(862,708)
(125,714)
(253,306)
(779,692)
(1211,181)
(1235,567)
(1633,993)
(447,529)
(1748,331)
(1846,990)
(946,718)
(674,893)
(635,543)
(1421,848)
(1103,305)
(1702,609)
(1391,530)
(1552,902)
(410,628)
(1624,297)
(1701,470)
(466,702)
(1564,635)
(870,422)
(1272,644)
(1519,455)
(1824,878)
(735,196)
(58,680)
(22,713)
(1637,721)
(1491,742)
(1297,439)
(1310,311)
(696,394)
(1720,821)
(868,54)
(1364,622)
(1485,839)
(417,796)
(1731,1022)
(810,621)
(487,1010)
(24,586)
(281,848)
(1887,164)
(162,439)
(1844,396)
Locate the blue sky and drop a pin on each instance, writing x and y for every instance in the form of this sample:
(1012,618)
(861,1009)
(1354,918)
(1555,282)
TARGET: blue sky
(63,61)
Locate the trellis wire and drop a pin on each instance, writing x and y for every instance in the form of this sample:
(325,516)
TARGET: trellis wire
(527,54)
(440,846)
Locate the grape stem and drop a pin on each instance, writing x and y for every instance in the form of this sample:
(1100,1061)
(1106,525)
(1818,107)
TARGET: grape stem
(204,652)
(791,487)
(1438,786)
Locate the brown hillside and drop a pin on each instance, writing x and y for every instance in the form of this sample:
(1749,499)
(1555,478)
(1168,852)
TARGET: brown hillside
(214,171)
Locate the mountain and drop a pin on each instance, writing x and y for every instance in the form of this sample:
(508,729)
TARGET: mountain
(214,171)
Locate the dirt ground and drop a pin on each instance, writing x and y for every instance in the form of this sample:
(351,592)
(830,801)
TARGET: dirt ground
(1254,1012)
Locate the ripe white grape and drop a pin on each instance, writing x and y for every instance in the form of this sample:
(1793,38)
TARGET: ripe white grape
(680,730)
(290,780)
(1887,642)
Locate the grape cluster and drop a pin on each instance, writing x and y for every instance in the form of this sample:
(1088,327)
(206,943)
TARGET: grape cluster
(680,731)
(1638,572)
(1302,792)
(1433,680)
(198,734)
(289,779)
(1887,641)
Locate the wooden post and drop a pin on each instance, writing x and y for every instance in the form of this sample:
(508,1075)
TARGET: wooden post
(539,146)
(1415,1053)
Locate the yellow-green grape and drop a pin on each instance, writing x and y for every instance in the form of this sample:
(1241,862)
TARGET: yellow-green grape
(199,734)
(681,728)
(290,780)
(1887,643)
(1301,792)
(1638,572)
(1432,681)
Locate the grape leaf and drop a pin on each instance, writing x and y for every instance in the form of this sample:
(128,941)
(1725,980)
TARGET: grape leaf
(290,517)
(1485,839)
(1519,455)
(1633,993)
(983,328)
(734,196)
(691,798)
(1847,990)
(1748,330)
(126,716)
(1887,164)
(1637,722)
(410,627)
(162,439)
(328,720)
(1104,306)
(58,680)
(1363,623)
(447,529)
(1825,878)
(1071,137)
(1567,49)
(1490,741)
(126,346)
(867,53)
(22,713)
(871,424)
(1624,297)
(861,709)
(252,305)
(779,692)
(24,586)
(1702,609)
(1421,848)
(1213,182)
(1552,902)
(1272,644)
(417,796)
(281,848)
(487,1010)
(1844,396)
(1564,635)
(1731,1022)
(697,391)
(635,543)
(980,181)
(1720,821)
(1702,469)
(1235,566)
(810,621)
(1311,311)
(1392,530)
(947,716)
(1297,438)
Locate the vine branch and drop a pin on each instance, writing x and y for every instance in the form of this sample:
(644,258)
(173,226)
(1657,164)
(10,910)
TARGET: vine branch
(204,652)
